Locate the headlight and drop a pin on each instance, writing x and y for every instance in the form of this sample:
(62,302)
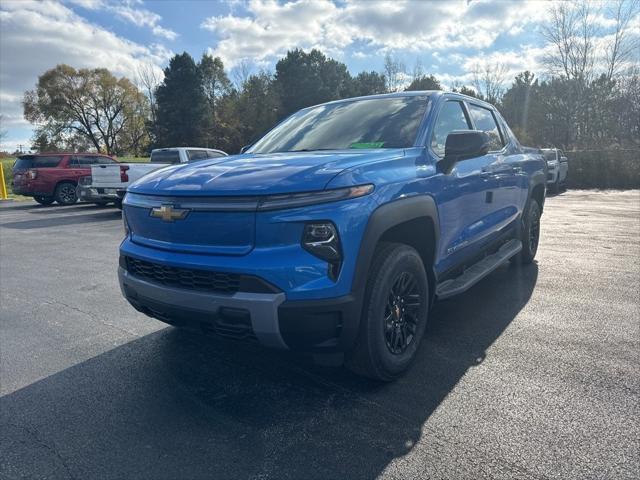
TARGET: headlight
(321,240)
(293,200)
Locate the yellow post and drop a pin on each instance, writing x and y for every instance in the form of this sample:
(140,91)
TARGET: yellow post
(3,186)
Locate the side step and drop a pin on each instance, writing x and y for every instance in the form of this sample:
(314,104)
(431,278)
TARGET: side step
(478,271)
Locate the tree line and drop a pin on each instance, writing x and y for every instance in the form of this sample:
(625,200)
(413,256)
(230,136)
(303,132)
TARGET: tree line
(589,96)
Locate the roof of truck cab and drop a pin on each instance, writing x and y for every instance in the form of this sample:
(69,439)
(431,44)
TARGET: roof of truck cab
(412,93)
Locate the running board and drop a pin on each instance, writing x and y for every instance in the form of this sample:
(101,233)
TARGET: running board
(478,271)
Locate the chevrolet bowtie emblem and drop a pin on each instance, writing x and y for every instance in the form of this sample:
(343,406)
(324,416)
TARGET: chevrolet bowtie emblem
(169,214)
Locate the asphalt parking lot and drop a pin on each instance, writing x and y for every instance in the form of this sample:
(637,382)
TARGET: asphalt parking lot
(533,373)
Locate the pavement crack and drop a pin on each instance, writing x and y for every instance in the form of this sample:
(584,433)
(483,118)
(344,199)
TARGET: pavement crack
(34,434)
(92,316)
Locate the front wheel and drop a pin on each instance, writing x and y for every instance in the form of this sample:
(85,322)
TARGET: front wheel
(43,200)
(394,314)
(66,194)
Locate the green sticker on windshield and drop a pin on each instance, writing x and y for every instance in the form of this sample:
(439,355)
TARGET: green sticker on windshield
(367,145)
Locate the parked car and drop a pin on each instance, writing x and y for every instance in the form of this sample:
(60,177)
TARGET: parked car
(108,180)
(338,229)
(557,168)
(49,177)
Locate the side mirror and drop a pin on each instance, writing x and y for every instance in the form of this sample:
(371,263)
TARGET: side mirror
(245,148)
(463,145)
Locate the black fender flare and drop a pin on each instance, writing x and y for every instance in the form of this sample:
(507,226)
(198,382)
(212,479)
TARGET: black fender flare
(384,218)
(536,179)
(381,220)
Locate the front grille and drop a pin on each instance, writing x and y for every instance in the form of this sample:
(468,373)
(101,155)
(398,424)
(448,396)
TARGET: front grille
(187,278)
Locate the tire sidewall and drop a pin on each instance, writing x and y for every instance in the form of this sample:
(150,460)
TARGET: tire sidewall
(402,259)
(532,211)
(42,200)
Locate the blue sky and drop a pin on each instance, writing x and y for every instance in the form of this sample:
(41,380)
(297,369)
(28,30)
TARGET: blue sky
(447,38)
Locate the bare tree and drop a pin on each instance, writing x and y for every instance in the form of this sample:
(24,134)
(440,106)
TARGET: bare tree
(394,70)
(241,73)
(488,80)
(418,71)
(148,80)
(622,47)
(571,32)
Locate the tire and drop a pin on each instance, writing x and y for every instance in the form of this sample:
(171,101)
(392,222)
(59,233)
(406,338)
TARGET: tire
(555,188)
(66,193)
(389,336)
(530,234)
(118,204)
(43,200)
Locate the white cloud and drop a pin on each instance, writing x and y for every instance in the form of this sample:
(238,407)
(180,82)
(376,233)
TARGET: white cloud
(129,11)
(272,27)
(36,36)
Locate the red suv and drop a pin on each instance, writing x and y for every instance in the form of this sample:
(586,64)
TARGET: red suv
(49,177)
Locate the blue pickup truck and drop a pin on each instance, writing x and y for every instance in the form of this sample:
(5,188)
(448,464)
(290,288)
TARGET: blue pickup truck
(338,229)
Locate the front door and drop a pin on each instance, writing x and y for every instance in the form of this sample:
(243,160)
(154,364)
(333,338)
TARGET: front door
(462,194)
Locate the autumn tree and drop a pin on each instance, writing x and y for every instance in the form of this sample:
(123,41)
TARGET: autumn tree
(89,103)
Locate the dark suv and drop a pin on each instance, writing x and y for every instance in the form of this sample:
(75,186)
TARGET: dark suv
(49,177)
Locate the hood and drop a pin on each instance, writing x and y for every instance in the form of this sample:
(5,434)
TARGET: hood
(257,174)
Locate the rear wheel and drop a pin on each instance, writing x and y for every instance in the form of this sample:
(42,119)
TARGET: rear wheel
(43,200)
(530,234)
(394,314)
(66,193)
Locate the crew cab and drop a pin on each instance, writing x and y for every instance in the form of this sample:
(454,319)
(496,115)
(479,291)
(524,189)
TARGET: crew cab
(108,182)
(49,177)
(557,168)
(338,229)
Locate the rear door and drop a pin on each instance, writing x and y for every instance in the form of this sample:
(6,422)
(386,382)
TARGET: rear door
(503,172)
(461,197)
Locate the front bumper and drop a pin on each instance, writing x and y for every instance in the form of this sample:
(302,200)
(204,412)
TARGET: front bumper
(314,326)
(91,194)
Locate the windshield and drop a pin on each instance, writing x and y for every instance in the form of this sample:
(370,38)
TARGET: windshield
(31,161)
(390,122)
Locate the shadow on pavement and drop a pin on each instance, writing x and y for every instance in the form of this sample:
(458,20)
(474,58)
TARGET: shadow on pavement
(58,221)
(175,405)
(54,208)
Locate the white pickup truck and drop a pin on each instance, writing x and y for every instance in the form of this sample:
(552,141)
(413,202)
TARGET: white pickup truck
(557,168)
(108,182)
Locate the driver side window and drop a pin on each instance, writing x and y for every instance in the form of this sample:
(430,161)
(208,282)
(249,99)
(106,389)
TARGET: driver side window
(451,117)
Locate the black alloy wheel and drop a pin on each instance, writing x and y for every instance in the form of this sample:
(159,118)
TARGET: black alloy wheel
(401,313)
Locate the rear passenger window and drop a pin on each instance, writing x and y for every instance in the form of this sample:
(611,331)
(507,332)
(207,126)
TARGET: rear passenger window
(195,155)
(82,161)
(214,154)
(165,156)
(450,118)
(484,120)
(104,160)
